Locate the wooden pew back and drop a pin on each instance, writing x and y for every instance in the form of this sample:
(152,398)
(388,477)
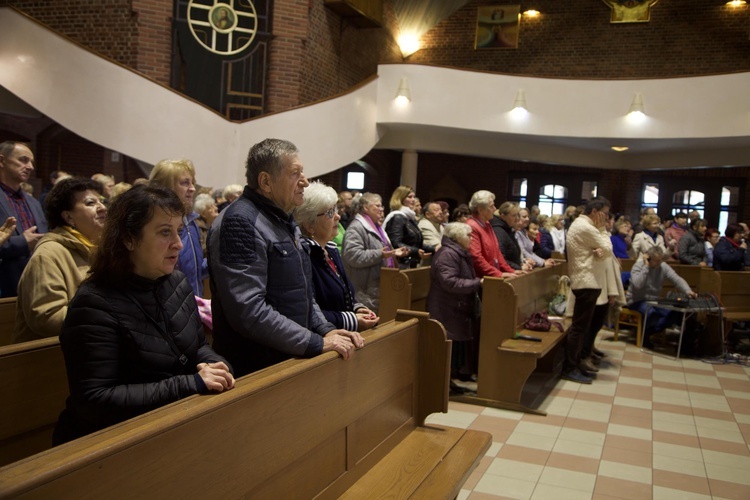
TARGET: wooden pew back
(506,305)
(403,289)
(691,274)
(732,287)
(33,392)
(299,429)
(7,320)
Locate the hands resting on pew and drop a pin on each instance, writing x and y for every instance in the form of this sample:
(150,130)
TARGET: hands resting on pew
(343,342)
(216,376)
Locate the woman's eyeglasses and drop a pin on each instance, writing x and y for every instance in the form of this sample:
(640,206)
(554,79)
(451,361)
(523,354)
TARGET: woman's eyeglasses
(330,213)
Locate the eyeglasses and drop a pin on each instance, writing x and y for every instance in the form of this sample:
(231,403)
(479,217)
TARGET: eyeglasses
(329,213)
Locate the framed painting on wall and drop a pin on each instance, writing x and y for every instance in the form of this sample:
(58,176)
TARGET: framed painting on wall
(497,27)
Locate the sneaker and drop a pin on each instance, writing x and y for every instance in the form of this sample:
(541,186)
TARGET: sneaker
(598,352)
(588,365)
(575,375)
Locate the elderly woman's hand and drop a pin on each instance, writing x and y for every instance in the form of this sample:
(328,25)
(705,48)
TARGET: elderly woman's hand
(7,229)
(216,376)
(366,319)
(401,252)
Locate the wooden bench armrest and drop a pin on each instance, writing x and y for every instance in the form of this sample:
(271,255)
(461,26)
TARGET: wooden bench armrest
(431,462)
(549,340)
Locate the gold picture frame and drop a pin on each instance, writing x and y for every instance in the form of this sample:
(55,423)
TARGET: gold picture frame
(497,27)
(630,11)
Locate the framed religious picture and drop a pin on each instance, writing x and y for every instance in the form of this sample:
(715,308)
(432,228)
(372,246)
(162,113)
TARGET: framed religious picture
(497,27)
(630,11)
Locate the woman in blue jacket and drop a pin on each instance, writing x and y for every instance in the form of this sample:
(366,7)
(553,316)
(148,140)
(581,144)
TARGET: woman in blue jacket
(179,176)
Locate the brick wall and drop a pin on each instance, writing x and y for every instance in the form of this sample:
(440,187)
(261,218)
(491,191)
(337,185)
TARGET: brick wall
(154,42)
(575,39)
(338,55)
(106,27)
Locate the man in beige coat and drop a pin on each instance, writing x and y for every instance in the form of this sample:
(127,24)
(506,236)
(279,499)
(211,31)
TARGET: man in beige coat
(588,250)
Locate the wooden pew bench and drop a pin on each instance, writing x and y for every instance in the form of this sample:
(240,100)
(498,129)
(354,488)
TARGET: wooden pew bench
(733,290)
(403,289)
(7,320)
(506,363)
(312,428)
(33,392)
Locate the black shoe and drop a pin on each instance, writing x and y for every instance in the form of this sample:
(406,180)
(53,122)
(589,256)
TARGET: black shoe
(575,375)
(456,390)
(598,352)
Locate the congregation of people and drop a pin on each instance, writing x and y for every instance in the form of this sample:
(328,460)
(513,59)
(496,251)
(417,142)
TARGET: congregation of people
(117,271)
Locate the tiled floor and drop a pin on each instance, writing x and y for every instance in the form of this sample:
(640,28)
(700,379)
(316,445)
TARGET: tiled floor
(648,427)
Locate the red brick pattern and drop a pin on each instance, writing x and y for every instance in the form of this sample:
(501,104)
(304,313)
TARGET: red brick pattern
(575,39)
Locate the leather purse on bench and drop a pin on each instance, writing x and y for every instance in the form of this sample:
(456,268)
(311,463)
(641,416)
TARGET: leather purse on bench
(539,322)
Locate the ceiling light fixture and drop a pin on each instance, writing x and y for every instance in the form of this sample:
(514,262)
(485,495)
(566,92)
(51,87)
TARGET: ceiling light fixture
(403,96)
(620,149)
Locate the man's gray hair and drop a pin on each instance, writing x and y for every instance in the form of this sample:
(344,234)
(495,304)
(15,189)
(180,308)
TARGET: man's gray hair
(457,230)
(318,199)
(481,199)
(655,252)
(203,202)
(269,155)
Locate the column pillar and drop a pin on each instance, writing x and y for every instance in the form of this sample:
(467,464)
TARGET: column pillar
(409,168)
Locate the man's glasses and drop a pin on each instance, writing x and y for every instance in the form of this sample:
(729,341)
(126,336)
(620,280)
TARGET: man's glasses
(329,213)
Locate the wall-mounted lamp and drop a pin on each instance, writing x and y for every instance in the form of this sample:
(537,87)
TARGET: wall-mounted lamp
(520,101)
(531,13)
(409,44)
(403,95)
(636,107)
(736,3)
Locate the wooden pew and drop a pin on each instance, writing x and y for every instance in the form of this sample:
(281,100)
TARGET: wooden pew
(505,363)
(33,391)
(733,289)
(321,427)
(7,320)
(403,289)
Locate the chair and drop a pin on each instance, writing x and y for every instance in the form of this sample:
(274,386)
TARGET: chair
(630,318)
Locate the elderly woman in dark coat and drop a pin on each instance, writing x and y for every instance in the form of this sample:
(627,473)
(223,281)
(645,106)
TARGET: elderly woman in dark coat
(453,299)
(132,338)
(318,219)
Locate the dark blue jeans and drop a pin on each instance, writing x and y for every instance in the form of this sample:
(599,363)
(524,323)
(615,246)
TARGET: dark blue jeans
(658,318)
